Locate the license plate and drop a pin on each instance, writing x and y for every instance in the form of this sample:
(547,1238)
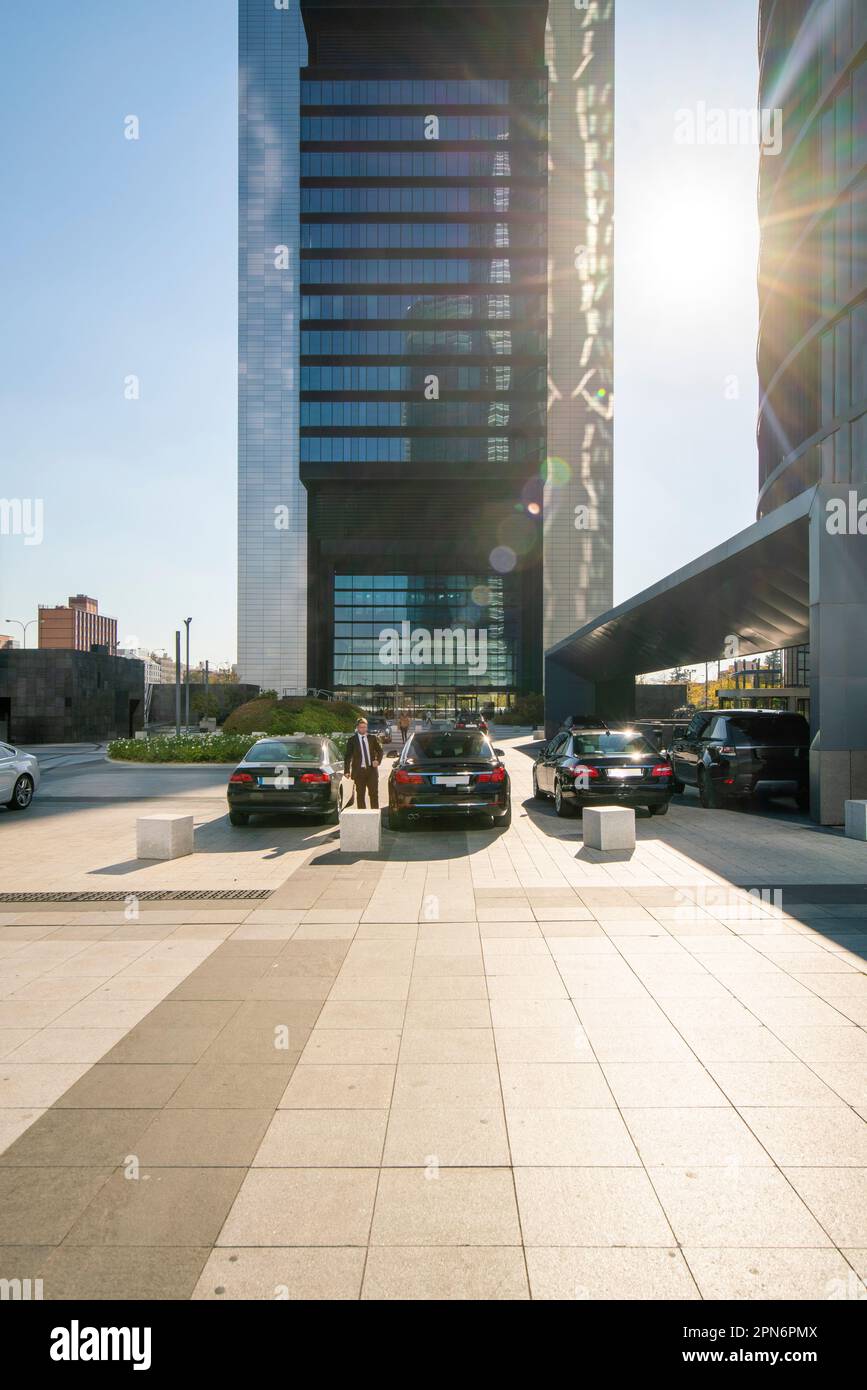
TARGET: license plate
(620,772)
(276,781)
(453,781)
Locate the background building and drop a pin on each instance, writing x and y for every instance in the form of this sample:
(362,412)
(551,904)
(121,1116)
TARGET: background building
(69,696)
(77,626)
(394,227)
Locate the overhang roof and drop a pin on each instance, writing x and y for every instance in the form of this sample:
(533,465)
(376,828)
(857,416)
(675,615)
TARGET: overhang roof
(754,586)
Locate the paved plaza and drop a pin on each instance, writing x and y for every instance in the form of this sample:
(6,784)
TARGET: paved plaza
(480,1064)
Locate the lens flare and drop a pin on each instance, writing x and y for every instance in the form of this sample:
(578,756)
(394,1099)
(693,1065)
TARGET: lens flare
(503,559)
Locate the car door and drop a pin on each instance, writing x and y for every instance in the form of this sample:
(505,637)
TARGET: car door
(686,751)
(712,739)
(545,774)
(8,771)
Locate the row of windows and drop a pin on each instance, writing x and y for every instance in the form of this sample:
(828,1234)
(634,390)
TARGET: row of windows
(419,413)
(430,587)
(432,271)
(400,343)
(400,449)
(405,93)
(421,306)
(499,198)
(341,129)
(452,378)
(351,671)
(404,164)
(325,235)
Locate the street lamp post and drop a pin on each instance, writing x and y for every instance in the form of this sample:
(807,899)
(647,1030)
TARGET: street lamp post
(23,627)
(187,622)
(177,684)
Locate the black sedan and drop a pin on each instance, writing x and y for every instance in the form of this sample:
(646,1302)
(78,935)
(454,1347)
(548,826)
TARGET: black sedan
(297,774)
(449,772)
(605,767)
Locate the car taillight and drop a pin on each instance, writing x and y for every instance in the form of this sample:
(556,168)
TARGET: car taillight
(315,777)
(403,777)
(498,775)
(729,750)
(662,770)
(240,777)
(581,772)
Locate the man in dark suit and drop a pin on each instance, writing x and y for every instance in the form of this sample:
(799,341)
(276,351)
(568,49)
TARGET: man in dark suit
(361,763)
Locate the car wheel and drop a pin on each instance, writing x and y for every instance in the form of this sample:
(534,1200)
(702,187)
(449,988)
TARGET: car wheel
(332,817)
(502,822)
(22,795)
(238,818)
(536,793)
(707,792)
(561,806)
(659,810)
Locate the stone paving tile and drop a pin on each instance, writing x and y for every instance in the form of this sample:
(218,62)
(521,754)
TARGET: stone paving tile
(756,1207)
(162,1207)
(589,1207)
(285,1273)
(696,1137)
(773,1274)
(566,1273)
(837,1197)
(447,1272)
(323,1139)
(461,1206)
(302,1206)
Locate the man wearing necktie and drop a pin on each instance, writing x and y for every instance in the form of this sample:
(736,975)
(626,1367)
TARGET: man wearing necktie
(361,763)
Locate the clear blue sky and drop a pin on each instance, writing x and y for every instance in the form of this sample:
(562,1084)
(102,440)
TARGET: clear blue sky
(120,259)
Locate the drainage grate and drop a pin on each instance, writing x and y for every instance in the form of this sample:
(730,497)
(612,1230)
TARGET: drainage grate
(172,895)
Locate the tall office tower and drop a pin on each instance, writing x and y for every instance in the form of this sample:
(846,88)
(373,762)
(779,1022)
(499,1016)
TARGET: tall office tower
(579,501)
(272,503)
(394,213)
(812,357)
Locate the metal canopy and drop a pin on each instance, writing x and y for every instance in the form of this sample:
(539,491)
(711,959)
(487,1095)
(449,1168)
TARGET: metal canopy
(754,587)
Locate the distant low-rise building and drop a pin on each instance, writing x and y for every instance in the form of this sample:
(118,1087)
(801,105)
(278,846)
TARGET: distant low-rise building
(77,626)
(153,668)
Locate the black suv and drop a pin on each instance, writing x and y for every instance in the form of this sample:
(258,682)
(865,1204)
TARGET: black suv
(743,753)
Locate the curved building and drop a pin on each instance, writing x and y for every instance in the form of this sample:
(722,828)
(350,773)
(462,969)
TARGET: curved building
(812,351)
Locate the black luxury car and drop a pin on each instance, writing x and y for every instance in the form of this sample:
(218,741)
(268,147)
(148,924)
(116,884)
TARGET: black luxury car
(743,753)
(299,774)
(451,772)
(603,767)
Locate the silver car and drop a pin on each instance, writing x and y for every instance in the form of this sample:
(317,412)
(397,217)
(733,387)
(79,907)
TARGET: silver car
(19,778)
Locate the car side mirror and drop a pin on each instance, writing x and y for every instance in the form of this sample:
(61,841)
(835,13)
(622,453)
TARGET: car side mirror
(500,752)
(392,753)
(679,731)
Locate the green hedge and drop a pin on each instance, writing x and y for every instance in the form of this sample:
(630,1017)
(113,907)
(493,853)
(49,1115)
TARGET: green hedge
(305,716)
(191,748)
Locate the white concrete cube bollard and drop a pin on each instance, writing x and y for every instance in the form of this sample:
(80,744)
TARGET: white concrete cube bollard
(360,832)
(856,819)
(609,827)
(163,837)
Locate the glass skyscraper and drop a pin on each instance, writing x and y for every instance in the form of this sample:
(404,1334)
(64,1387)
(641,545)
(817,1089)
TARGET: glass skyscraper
(396,315)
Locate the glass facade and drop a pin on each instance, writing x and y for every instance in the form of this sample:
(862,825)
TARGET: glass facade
(813,268)
(387,651)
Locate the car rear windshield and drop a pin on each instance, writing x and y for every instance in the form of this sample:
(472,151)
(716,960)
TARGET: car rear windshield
(450,746)
(771,728)
(586,745)
(304,751)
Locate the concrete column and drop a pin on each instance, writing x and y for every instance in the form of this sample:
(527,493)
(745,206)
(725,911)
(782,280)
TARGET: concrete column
(838,650)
